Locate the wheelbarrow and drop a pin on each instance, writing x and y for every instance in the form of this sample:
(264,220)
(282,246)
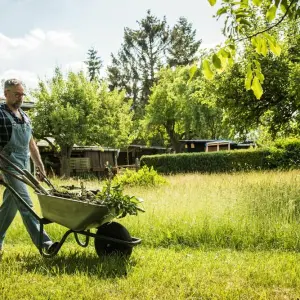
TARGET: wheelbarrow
(79,217)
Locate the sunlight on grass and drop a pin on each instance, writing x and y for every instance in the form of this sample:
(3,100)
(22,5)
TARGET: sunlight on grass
(191,232)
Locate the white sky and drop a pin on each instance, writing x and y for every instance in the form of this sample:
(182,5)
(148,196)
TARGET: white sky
(37,35)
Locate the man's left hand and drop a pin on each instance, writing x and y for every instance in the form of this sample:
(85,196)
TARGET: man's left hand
(41,173)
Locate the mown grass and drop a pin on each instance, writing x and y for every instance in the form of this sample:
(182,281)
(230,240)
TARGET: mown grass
(204,237)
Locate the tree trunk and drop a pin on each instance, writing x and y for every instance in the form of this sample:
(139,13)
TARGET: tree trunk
(174,140)
(65,155)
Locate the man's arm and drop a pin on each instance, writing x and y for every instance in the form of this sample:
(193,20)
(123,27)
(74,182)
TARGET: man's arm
(35,155)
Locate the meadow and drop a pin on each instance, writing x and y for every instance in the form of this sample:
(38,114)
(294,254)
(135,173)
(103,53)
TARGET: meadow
(223,236)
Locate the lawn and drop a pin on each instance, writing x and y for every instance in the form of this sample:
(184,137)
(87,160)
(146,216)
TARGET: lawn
(204,237)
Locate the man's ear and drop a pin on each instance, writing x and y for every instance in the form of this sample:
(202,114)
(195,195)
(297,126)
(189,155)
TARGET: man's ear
(5,93)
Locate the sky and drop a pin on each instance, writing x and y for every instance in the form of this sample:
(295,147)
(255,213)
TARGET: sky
(38,35)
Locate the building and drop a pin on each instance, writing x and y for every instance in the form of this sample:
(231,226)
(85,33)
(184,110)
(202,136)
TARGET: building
(84,159)
(127,156)
(214,145)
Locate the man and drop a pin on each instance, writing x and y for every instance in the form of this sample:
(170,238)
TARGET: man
(16,142)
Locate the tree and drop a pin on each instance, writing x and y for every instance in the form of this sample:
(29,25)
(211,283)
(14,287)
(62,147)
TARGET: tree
(183,46)
(141,56)
(77,111)
(123,75)
(182,110)
(94,64)
(242,23)
(278,108)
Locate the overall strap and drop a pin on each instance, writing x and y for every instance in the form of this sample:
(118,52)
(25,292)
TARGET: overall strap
(9,116)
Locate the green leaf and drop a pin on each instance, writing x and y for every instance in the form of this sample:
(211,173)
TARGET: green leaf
(208,73)
(257,2)
(284,6)
(192,72)
(224,53)
(260,76)
(217,61)
(263,48)
(249,76)
(275,48)
(221,11)
(212,2)
(257,88)
(271,13)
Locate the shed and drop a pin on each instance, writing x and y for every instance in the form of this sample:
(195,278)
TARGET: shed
(127,156)
(214,145)
(84,159)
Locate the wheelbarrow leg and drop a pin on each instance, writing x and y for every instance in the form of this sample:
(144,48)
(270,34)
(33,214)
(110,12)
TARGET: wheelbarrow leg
(58,245)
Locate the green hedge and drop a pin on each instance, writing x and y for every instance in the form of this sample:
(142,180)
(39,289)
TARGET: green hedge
(285,154)
(212,162)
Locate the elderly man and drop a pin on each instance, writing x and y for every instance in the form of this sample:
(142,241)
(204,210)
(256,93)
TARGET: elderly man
(17,144)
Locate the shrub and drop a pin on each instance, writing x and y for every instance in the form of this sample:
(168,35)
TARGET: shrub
(144,177)
(285,154)
(212,162)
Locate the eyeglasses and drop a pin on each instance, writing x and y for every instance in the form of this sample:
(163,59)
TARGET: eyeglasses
(19,95)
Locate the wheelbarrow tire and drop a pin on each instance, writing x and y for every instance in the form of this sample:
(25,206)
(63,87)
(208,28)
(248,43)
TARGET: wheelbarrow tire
(117,231)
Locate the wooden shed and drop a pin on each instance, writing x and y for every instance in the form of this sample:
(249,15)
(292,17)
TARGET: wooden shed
(128,156)
(84,159)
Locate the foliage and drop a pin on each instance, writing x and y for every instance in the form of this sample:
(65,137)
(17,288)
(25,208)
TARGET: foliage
(252,20)
(183,110)
(183,44)
(285,154)
(211,162)
(94,64)
(278,108)
(141,53)
(77,111)
(146,177)
(145,51)
(119,205)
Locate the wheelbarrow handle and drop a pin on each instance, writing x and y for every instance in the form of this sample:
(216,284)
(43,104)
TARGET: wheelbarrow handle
(25,176)
(35,182)
(19,170)
(21,178)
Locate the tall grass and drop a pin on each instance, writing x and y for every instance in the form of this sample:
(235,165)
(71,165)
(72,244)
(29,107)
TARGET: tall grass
(258,210)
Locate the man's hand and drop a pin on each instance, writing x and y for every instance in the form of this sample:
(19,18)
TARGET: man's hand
(41,173)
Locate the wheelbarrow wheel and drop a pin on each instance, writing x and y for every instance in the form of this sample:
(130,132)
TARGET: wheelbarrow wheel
(116,231)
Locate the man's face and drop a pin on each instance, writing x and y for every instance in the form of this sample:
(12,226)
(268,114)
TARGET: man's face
(14,96)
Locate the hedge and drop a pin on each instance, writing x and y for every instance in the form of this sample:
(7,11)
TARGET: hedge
(210,162)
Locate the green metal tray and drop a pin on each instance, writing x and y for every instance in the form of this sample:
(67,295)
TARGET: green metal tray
(73,214)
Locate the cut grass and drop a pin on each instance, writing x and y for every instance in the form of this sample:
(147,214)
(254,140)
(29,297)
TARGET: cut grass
(204,237)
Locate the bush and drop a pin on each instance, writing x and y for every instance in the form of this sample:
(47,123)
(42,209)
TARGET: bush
(212,162)
(144,177)
(285,154)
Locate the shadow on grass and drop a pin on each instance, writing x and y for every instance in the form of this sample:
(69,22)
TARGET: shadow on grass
(77,263)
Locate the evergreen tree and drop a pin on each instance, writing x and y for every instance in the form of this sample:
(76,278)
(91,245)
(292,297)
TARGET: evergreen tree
(141,56)
(94,64)
(184,46)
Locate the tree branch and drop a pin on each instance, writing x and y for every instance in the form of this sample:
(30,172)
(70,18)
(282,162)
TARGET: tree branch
(269,28)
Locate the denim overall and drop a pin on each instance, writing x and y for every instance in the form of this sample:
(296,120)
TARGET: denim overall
(17,151)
